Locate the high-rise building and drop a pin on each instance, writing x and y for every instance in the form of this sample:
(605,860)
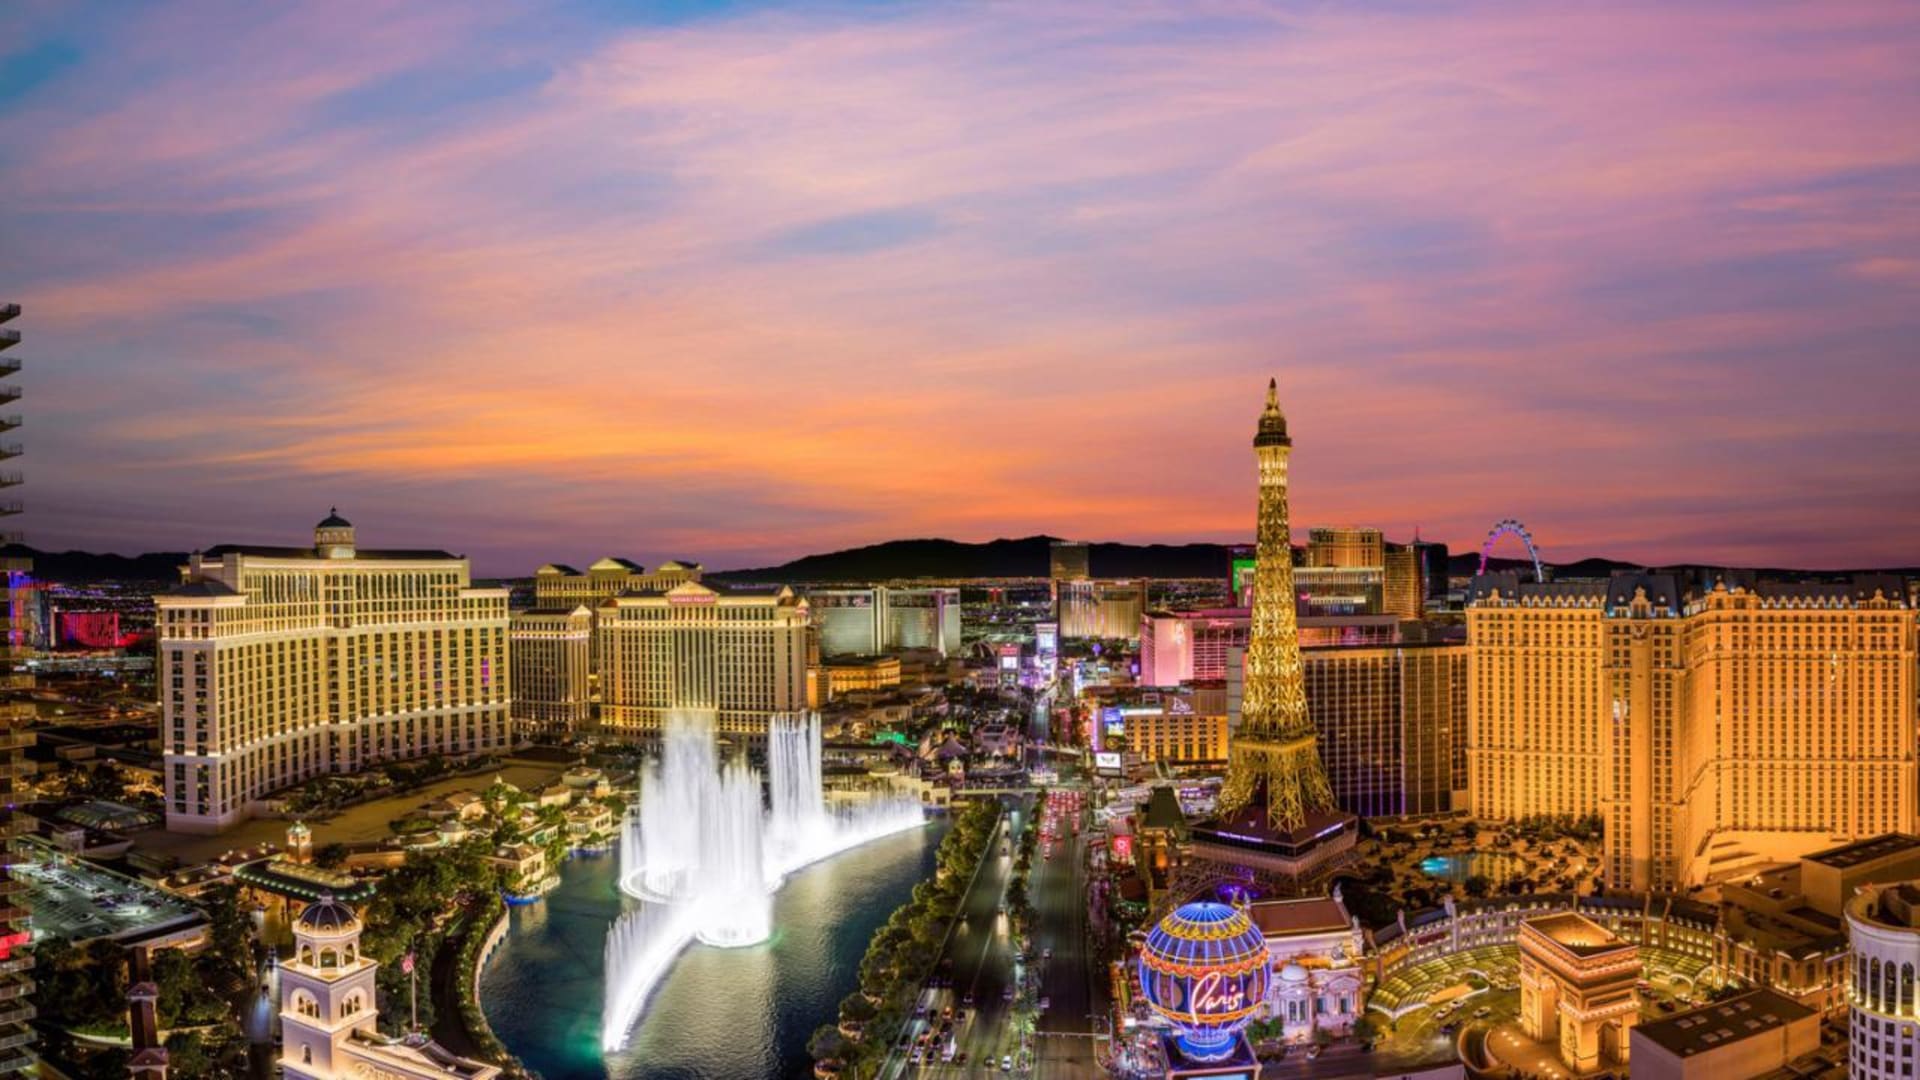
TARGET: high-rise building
(278,665)
(1402,592)
(1100,609)
(738,653)
(16,716)
(1067,561)
(1188,646)
(1434,569)
(1348,547)
(1392,725)
(1335,592)
(1274,769)
(1713,729)
(1883,930)
(552,649)
(555,666)
(870,620)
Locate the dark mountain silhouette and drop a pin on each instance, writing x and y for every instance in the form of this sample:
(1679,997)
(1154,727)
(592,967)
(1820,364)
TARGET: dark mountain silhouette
(82,566)
(1026,557)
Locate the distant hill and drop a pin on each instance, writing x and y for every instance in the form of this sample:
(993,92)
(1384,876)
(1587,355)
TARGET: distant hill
(1026,557)
(83,566)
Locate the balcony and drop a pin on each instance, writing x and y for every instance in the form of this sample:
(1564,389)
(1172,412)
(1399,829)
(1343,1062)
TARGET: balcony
(11,450)
(16,739)
(18,1014)
(11,421)
(12,479)
(9,338)
(7,508)
(17,964)
(12,913)
(14,1062)
(16,1039)
(13,991)
(9,365)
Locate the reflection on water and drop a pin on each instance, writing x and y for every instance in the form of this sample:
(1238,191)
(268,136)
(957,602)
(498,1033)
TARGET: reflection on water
(722,1013)
(1498,867)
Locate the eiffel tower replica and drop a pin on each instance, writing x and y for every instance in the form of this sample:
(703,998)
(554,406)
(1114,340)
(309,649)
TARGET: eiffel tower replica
(1276,819)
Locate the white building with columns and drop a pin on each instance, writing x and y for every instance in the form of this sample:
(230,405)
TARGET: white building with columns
(328,1019)
(1318,983)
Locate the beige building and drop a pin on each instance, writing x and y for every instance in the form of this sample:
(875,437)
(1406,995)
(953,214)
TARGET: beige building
(1404,588)
(1392,723)
(738,653)
(1577,989)
(1345,547)
(1100,609)
(277,665)
(560,585)
(1749,1035)
(1714,731)
(552,650)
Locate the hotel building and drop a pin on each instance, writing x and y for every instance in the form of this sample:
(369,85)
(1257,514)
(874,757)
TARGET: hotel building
(1100,609)
(552,650)
(880,619)
(560,585)
(1714,730)
(1883,924)
(1191,646)
(555,673)
(1392,726)
(277,665)
(1067,561)
(738,653)
(16,715)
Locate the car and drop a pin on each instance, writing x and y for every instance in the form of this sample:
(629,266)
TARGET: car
(1007,994)
(1482,1013)
(1313,1051)
(1006,1062)
(968,999)
(960,1058)
(1046,953)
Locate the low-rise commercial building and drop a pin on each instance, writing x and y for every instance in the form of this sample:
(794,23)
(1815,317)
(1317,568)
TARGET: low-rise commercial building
(1746,1036)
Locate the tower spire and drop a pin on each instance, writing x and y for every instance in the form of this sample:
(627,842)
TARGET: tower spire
(1275,751)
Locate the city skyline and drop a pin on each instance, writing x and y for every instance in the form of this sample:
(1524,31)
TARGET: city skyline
(1641,281)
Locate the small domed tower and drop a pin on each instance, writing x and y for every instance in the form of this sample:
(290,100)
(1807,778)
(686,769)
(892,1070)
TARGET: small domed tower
(333,537)
(326,992)
(299,843)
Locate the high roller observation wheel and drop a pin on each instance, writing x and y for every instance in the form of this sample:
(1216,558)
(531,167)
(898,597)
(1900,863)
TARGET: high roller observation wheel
(1512,527)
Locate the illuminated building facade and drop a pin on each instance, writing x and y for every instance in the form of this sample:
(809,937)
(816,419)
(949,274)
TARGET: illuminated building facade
(1188,646)
(1403,593)
(848,674)
(1316,951)
(1100,609)
(1577,989)
(1713,730)
(1276,790)
(1067,560)
(559,585)
(1339,591)
(1758,1033)
(1347,547)
(278,665)
(552,650)
(16,716)
(881,619)
(1883,925)
(1392,726)
(738,653)
(1177,727)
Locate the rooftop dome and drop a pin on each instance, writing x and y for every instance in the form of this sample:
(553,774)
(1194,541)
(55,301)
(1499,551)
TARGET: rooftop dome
(333,520)
(1293,973)
(327,916)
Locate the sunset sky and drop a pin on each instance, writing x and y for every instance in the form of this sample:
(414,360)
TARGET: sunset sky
(738,282)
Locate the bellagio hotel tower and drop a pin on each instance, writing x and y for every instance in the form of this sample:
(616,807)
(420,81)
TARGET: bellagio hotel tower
(278,665)
(1711,728)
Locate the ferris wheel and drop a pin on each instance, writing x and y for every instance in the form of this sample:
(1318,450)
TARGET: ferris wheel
(1512,527)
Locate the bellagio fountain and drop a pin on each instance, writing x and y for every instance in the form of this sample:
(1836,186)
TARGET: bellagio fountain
(704,854)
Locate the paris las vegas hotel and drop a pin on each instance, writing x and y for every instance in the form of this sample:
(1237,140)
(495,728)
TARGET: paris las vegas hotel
(1715,728)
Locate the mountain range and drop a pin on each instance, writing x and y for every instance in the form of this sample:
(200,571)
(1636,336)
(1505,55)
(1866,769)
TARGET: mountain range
(1026,557)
